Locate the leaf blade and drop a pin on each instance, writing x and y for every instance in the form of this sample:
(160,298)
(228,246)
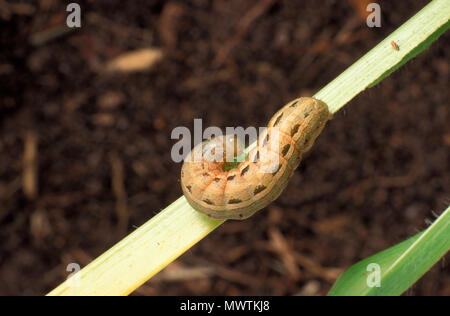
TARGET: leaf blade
(401,265)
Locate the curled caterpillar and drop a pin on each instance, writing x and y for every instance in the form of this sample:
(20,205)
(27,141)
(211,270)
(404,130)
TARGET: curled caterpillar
(258,180)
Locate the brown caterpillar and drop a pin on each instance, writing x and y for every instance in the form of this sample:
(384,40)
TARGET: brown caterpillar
(240,192)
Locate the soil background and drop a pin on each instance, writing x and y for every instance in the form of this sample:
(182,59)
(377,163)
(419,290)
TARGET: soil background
(85,151)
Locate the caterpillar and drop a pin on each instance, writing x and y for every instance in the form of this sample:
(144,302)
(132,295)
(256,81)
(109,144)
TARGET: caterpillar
(254,183)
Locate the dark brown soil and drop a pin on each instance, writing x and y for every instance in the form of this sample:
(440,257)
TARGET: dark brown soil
(375,176)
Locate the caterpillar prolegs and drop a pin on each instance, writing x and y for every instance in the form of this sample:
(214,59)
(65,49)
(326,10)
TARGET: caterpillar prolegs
(258,180)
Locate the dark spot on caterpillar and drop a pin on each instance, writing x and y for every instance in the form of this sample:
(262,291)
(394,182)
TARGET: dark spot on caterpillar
(294,130)
(216,179)
(240,215)
(231,177)
(208,202)
(205,174)
(276,170)
(182,173)
(285,149)
(234,201)
(306,140)
(189,188)
(278,119)
(259,189)
(306,114)
(293,105)
(244,171)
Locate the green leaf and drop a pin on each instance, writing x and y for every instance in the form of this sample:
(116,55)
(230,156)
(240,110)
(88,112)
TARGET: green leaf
(398,267)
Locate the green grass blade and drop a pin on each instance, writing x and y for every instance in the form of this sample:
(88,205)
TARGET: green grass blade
(399,266)
(139,256)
